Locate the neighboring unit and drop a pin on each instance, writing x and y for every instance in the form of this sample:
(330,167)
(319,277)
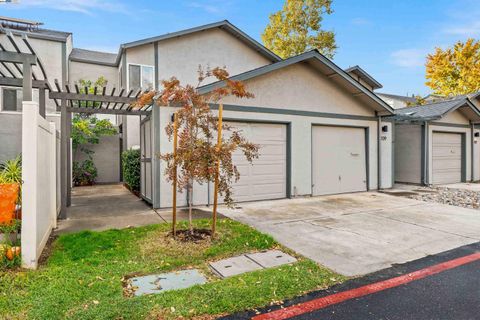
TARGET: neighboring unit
(437,143)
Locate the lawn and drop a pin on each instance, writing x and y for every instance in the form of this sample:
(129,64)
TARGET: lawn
(82,279)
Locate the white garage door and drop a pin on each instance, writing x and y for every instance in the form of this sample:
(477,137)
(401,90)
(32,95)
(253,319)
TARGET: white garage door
(446,157)
(267,177)
(338,160)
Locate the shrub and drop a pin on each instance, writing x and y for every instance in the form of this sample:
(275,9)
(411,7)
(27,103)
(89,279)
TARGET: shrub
(131,169)
(84,173)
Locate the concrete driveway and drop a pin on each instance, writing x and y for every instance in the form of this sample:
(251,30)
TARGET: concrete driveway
(356,234)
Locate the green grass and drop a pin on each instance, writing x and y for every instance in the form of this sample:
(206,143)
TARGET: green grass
(82,278)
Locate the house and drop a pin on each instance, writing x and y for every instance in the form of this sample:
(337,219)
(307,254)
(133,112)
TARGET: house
(437,143)
(397,101)
(322,130)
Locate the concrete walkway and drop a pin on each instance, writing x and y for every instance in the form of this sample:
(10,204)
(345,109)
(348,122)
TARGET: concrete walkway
(356,234)
(112,206)
(102,207)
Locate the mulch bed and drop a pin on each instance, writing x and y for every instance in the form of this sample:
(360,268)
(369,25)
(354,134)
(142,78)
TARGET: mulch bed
(197,235)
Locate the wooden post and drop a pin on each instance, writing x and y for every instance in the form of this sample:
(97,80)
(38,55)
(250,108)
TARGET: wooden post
(174,189)
(217,170)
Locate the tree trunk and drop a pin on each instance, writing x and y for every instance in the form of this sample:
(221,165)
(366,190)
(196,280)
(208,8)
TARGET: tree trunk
(190,206)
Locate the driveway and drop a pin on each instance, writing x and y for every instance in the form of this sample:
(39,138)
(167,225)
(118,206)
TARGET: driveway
(360,233)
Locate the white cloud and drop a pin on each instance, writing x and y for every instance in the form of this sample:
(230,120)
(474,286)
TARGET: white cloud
(360,22)
(81,6)
(467,30)
(210,8)
(409,58)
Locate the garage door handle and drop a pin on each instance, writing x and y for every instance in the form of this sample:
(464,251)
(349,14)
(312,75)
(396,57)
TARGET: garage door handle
(451,151)
(354,154)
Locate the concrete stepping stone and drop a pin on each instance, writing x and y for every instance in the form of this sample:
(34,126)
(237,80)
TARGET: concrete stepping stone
(159,283)
(233,266)
(271,258)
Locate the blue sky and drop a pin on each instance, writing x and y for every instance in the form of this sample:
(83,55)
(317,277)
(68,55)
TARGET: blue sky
(389,39)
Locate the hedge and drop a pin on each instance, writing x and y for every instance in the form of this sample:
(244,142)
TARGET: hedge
(131,169)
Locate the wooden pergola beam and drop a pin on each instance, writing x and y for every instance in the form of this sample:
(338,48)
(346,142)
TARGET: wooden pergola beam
(92,110)
(91,97)
(14,57)
(18,82)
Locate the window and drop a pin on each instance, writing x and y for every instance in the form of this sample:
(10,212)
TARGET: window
(140,77)
(11,99)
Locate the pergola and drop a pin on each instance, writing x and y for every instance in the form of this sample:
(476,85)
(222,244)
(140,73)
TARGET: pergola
(19,69)
(91,101)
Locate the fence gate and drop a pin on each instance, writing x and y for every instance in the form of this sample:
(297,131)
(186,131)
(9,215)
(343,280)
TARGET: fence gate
(146,183)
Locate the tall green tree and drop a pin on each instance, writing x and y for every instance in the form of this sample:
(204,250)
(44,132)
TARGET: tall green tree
(455,70)
(297,28)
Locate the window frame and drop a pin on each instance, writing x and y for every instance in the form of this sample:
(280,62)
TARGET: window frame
(141,74)
(2,88)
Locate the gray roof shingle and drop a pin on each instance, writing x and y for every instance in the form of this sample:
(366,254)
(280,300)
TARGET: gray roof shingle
(90,56)
(433,110)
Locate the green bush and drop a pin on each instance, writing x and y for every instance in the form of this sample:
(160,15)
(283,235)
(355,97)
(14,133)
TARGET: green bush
(84,173)
(131,169)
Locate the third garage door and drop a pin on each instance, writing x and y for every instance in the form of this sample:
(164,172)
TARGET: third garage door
(338,160)
(446,157)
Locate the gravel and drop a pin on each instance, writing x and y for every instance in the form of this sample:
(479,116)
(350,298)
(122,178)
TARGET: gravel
(454,197)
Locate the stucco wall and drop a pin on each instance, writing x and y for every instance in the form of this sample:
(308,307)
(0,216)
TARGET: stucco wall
(408,153)
(455,117)
(106,159)
(299,87)
(301,133)
(10,136)
(180,57)
(386,155)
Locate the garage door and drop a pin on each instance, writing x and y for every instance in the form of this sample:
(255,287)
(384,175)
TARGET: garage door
(446,157)
(267,177)
(338,160)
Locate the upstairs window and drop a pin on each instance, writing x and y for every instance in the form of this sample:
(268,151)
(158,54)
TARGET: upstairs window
(11,99)
(140,77)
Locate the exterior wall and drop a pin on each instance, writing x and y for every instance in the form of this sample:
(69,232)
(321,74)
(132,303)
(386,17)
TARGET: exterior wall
(180,57)
(299,87)
(10,136)
(386,155)
(394,103)
(455,117)
(88,71)
(363,83)
(408,153)
(132,132)
(106,159)
(476,156)
(300,155)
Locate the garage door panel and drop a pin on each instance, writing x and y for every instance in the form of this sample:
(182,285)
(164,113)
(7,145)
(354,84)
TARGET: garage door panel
(339,160)
(446,157)
(266,177)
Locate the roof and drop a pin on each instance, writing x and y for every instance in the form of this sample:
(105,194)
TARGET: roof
(323,64)
(224,25)
(398,97)
(90,56)
(437,110)
(363,75)
(32,30)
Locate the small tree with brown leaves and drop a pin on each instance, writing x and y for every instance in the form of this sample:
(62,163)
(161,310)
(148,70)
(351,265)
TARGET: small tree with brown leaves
(197,153)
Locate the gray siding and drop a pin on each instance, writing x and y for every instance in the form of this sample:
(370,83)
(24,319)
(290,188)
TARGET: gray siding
(10,136)
(106,158)
(408,153)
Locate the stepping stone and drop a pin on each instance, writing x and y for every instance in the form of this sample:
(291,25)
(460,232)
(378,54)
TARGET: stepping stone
(159,283)
(271,258)
(234,266)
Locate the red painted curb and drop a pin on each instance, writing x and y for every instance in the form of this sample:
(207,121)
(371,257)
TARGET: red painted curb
(323,302)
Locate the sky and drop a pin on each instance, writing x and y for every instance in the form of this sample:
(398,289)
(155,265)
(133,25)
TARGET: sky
(389,39)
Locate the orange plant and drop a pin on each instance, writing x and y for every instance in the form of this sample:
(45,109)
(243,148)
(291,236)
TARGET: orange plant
(8,199)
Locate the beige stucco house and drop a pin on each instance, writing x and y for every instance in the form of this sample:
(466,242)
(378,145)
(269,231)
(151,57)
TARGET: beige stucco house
(322,130)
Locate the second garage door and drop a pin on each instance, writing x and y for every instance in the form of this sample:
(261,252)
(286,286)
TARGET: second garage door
(446,157)
(338,160)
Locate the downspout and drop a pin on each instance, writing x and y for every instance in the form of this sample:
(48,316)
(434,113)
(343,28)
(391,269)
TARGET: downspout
(379,153)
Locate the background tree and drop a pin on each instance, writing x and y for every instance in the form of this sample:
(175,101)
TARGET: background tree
(197,152)
(87,130)
(297,28)
(419,101)
(455,70)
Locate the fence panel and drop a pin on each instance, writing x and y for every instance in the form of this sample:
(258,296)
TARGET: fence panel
(39,175)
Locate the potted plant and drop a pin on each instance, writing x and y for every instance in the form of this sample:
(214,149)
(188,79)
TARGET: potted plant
(10,198)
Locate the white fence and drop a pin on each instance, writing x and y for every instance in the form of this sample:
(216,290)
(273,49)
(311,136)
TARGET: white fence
(39,190)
